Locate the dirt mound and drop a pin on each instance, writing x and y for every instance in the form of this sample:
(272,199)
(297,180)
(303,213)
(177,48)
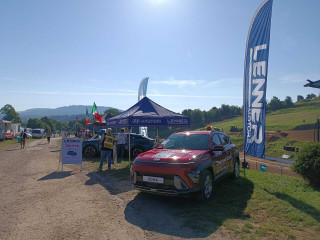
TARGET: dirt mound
(301,135)
(305,127)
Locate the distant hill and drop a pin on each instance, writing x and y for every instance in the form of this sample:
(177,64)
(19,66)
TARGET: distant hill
(60,114)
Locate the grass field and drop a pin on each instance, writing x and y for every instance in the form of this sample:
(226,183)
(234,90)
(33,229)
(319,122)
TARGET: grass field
(260,206)
(274,148)
(13,142)
(303,114)
(284,119)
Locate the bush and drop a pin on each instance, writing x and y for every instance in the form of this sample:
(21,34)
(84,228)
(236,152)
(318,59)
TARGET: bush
(308,164)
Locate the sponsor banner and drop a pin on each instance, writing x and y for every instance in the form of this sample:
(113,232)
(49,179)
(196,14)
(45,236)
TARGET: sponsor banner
(71,151)
(255,81)
(136,122)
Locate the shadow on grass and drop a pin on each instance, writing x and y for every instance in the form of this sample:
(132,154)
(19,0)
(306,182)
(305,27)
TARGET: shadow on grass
(187,217)
(55,175)
(298,204)
(115,180)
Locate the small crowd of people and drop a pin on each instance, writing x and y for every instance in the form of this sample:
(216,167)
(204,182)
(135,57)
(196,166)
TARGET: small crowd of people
(23,137)
(83,133)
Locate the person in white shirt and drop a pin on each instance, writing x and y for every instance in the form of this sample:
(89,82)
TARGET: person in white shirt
(121,139)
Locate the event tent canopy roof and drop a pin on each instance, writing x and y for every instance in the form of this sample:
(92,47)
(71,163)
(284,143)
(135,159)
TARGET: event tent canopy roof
(148,113)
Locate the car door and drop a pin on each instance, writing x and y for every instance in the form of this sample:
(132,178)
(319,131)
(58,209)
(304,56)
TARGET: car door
(217,154)
(225,140)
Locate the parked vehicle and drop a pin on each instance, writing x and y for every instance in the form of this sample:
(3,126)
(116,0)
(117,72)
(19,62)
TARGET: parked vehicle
(5,130)
(9,134)
(138,143)
(186,163)
(29,135)
(38,133)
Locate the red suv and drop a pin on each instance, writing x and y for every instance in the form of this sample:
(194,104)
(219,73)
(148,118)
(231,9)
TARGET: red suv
(186,163)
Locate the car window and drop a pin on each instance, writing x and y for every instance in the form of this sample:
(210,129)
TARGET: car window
(215,140)
(224,139)
(184,141)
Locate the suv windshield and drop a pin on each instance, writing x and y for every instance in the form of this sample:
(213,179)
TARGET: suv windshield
(185,141)
(36,131)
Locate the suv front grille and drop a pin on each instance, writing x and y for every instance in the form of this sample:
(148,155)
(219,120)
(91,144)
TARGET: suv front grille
(168,181)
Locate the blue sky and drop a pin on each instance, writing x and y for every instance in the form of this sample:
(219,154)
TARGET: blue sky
(60,53)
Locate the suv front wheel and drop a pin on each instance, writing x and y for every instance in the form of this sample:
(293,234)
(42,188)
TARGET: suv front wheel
(207,186)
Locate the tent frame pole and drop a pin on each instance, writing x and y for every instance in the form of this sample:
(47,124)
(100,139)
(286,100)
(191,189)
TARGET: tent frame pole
(129,147)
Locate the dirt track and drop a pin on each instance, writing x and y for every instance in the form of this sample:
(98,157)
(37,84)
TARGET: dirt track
(39,202)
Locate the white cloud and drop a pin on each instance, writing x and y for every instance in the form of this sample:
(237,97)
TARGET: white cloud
(225,81)
(108,89)
(125,94)
(299,78)
(180,83)
(200,82)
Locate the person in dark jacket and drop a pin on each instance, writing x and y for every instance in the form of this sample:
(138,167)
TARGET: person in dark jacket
(23,136)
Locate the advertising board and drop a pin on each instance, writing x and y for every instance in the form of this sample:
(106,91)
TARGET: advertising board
(71,151)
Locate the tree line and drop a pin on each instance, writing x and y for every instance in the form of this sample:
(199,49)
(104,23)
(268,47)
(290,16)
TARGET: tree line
(198,118)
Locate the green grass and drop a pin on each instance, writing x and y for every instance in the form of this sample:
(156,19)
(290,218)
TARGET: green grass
(273,148)
(13,143)
(260,206)
(302,114)
(284,119)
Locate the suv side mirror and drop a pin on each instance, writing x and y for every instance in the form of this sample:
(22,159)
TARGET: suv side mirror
(219,148)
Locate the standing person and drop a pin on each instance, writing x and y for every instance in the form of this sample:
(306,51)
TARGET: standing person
(23,136)
(48,135)
(121,139)
(107,142)
(64,133)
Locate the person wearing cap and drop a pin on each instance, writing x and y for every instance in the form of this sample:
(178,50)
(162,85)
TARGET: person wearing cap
(107,142)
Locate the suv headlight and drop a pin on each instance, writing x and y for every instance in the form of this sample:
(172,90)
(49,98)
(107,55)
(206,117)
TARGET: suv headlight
(179,183)
(194,176)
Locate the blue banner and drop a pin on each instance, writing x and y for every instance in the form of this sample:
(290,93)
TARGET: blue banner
(255,81)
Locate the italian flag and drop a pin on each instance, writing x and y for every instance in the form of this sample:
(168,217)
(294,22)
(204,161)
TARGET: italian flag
(96,113)
(86,121)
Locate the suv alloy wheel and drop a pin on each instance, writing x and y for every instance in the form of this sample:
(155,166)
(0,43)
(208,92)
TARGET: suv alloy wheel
(207,186)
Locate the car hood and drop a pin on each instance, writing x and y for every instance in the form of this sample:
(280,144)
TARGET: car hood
(170,155)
